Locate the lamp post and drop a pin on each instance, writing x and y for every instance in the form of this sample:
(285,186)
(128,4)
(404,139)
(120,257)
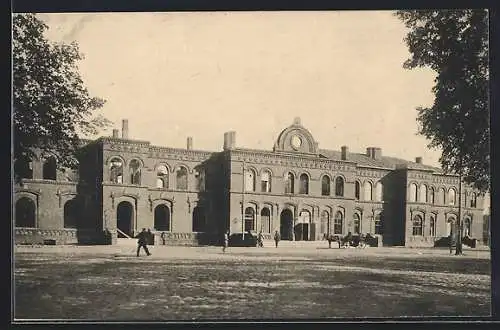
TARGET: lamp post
(243,201)
(458,250)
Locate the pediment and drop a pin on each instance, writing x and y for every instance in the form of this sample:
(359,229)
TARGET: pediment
(296,139)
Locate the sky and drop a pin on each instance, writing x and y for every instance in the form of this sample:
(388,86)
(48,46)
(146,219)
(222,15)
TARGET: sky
(174,75)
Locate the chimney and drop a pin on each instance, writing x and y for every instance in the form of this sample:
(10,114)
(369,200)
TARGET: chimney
(229,140)
(345,151)
(189,143)
(115,134)
(418,160)
(374,153)
(125,129)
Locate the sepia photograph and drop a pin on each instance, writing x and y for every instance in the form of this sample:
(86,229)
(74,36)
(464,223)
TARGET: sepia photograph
(210,166)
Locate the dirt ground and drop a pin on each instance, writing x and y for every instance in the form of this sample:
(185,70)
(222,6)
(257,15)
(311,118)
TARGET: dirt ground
(202,283)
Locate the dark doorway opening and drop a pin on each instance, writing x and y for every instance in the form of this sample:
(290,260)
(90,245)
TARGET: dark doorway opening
(71,212)
(162,218)
(302,232)
(124,214)
(286,225)
(25,213)
(198,219)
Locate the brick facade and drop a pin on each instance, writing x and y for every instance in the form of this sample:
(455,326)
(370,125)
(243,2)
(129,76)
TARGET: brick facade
(190,197)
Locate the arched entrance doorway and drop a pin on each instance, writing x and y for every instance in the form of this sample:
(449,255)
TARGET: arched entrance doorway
(303,228)
(25,213)
(265,220)
(162,218)
(198,219)
(450,226)
(249,219)
(286,225)
(71,212)
(124,218)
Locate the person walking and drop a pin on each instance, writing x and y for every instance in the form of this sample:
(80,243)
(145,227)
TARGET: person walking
(142,241)
(260,239)
(276,238)
(226,241)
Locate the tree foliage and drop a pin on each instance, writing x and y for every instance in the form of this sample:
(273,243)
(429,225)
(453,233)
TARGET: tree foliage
(454,43)
(51,105)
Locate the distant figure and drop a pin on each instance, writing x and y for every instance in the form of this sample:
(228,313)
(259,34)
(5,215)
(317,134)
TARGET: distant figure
(277,238)
(151,237)
(330,238)
(143,241)
(260,239)
(226,241)
(348,239)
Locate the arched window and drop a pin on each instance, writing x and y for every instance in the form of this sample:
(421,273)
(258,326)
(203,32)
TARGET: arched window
(356,219)
(325,185)
(116,170)
(467,226)
(265,181)
(368,194)
(378,224)
(325,222)
(182,178)
(25,213)
(265,219)
(423,193)
(199,177)
(249,180)
(23,168)
(135,172)
(289,183)
(473,200)
(337,223)
(431,196)
(442,196)
(378,191)
(50,168)
(432,226)
(452,196)
(339,186)
(304,184)
(249,219)
(162,177)
(418,225)
(357,189)
(413,192)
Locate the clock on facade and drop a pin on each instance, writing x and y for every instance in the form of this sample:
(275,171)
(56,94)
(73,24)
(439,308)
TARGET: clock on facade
(296,142)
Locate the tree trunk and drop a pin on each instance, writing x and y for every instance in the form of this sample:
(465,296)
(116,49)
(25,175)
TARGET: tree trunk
(458,250)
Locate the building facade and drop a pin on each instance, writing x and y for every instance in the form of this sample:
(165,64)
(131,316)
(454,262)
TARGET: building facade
(189,196)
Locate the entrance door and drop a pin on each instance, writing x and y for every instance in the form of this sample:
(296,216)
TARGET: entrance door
(286,225)
(124,218)
(302,232)
(162,218)
(25,213)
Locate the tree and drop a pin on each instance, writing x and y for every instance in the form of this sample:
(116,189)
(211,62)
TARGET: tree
(51,105)
(454,43)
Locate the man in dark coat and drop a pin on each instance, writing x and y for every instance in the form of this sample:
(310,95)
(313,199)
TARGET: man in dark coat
(277,238)
(142,241)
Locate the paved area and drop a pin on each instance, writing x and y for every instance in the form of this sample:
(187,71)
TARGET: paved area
(202,283)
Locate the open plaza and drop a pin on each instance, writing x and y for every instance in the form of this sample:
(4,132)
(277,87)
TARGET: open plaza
(297,280)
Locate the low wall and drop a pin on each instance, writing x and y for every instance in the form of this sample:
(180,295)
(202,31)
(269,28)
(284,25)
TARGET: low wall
(184,239)
(34,236)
